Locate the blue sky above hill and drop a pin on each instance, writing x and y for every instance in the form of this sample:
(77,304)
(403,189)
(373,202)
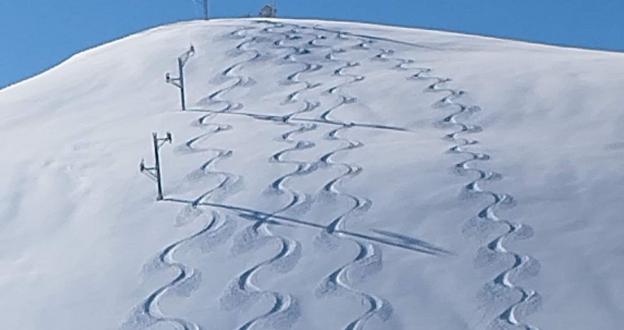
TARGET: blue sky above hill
(37,34)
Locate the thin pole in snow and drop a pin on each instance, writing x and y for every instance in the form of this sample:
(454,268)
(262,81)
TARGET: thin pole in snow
(179,80)
(154,172)
(206,9)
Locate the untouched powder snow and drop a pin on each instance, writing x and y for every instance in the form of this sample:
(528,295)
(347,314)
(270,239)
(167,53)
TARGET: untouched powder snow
(326,175)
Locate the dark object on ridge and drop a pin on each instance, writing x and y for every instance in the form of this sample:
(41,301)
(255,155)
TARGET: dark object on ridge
(268,11)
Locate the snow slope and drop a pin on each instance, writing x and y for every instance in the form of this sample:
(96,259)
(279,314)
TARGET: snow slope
(326,176)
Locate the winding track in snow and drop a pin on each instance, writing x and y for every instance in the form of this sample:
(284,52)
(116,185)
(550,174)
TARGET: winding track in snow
(522,265)
(285,305)
(369,254)
(284,309)
(150,312)
(226,179)
(302,167)
(229,73)
(187,277)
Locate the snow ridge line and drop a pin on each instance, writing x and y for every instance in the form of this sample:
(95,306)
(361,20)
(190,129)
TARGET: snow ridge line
(369,256)
(503,285)
(372,38)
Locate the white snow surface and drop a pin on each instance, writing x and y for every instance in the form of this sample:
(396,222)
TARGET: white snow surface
(327,175)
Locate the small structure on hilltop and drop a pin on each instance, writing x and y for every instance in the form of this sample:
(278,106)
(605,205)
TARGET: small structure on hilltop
(268,11)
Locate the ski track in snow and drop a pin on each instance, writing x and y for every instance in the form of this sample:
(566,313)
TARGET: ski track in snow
(149,312)
(368,259)
(228,181)
(188,278)
(501,289)
(229,73)
(503,285)
(285,310)
(298,199)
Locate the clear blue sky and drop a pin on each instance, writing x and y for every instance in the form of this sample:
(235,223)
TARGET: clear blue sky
(37,34)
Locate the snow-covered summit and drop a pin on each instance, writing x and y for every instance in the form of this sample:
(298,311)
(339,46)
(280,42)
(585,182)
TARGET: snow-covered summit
(326,175)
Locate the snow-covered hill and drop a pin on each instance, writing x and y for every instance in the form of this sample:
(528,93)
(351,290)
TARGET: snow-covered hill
(326,176)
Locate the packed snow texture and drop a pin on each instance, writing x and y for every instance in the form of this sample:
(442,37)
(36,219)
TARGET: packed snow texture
(326,175)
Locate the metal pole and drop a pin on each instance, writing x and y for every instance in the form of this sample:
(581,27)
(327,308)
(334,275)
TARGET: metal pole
(157,167)
(182,92)
(206,9)
(179,80)
(154,172)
